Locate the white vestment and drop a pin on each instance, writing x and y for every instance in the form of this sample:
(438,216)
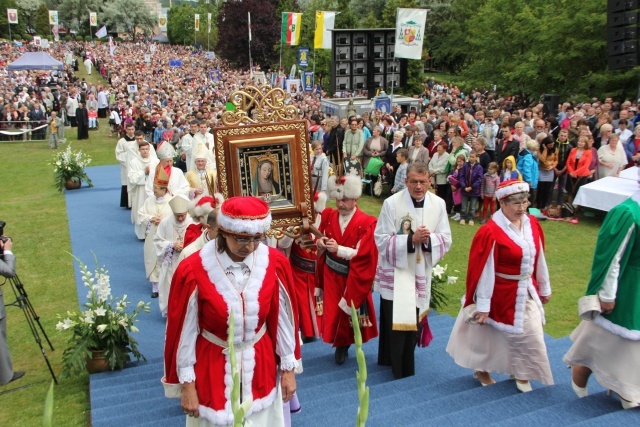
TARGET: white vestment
(152,207)
(194,246)
(123,147)
(177,183)
(169,231)
(137,173)
(186,144)
(393,244)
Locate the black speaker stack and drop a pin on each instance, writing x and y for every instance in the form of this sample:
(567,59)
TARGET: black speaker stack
(363,59)
(622,33)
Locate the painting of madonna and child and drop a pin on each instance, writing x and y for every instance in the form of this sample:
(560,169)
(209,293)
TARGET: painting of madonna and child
(266,173)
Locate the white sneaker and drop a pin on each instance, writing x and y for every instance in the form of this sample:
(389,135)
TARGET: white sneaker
(471,222)
(456,217)
(462,222)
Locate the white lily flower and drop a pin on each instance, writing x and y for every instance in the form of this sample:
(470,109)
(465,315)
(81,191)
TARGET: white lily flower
(451,279)
(100,311)
(101,328)
(438,271)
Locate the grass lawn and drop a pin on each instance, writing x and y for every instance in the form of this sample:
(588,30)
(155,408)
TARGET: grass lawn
(36,219)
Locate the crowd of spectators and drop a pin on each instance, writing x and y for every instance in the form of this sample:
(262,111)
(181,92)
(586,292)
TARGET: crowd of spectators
(140,86)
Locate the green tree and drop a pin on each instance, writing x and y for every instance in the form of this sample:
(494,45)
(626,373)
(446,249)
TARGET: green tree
(42,26)
(28,9)
(130,15)
(180,24)
(74,14)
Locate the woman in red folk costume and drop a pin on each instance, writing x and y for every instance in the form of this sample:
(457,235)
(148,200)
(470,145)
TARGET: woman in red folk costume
(499,328)
(347,260)
(234,273)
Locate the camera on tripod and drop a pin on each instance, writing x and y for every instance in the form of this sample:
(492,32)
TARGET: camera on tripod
(2,236)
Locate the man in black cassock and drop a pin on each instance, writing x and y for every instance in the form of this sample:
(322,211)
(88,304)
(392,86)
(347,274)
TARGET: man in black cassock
(82,119)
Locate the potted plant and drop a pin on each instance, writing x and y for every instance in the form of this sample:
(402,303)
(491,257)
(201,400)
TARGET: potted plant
(439,279)
(101,333)
(68,169)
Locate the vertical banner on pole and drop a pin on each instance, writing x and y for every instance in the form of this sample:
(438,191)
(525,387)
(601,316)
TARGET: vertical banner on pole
(324,24)
(208,23)
(93,19)
(12,16)
(307,81)
(53,17)
(290,28)
(410,25)
(162,22)
(196,25)
(303,57)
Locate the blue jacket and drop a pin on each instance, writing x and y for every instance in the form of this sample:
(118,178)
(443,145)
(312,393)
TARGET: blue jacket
(471,176)
(528,167)
(630,147)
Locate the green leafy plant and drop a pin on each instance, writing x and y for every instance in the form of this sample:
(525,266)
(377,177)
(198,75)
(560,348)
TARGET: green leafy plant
(47,417)
(439,279)
(68,165)
(239,409)
(105,325)
(361,374)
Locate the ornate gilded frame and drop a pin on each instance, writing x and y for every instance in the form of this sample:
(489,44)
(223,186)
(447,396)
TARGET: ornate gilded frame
(264,127)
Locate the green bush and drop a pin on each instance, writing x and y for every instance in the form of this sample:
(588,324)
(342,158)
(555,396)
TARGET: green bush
(49,37)
(68,38)
(16,36)
(87,38)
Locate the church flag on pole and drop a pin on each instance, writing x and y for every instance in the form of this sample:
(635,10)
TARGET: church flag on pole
(410,25)
(53,17)
(162,21)
(93,19)
(197,22)
(324,25)
(291,24)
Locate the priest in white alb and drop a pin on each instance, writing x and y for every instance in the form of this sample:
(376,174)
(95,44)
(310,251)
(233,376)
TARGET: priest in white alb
(412,235)
(140,167)
(178,184)
(169,242)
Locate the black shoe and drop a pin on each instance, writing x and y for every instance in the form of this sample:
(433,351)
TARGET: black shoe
(17,376)
(154,295)
(307,340)
(341,354)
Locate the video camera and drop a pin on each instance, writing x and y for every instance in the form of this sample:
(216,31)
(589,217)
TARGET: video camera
(2,236)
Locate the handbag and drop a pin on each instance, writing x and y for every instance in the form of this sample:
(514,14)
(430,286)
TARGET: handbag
(374,166)
(377,187)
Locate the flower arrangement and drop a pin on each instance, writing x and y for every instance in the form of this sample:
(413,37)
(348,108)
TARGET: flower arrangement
(105,325)
(439,279)
(69,166)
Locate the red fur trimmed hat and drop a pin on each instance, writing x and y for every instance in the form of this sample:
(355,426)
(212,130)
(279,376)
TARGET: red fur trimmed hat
(510,187)
(245,215)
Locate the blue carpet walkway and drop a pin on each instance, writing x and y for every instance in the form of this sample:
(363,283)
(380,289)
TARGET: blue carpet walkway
(441,394)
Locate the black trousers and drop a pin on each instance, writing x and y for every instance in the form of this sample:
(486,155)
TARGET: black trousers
(395,348)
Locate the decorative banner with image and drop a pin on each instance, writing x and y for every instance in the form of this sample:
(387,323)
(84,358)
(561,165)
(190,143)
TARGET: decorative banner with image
(53,17)
(147,58)
(214,75)
(303,57)
(293,86)
(132,88)
(12,16)
(37,40)
(162,21)
(210,55)
(410,25)
(196,24)
(93,19)
(209,23)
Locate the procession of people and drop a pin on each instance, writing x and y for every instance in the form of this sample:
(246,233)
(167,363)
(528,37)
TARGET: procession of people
(206,258)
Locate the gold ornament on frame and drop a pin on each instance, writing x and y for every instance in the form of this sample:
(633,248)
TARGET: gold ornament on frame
(265,103)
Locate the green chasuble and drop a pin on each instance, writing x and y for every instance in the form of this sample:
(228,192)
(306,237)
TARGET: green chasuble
(620,225)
